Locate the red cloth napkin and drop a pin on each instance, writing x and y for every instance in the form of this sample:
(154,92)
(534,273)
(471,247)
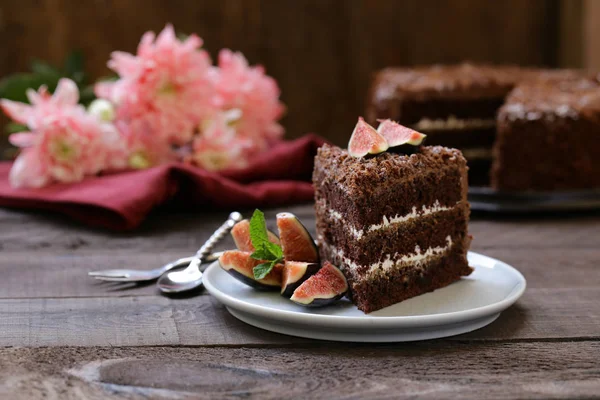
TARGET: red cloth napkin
(122,201)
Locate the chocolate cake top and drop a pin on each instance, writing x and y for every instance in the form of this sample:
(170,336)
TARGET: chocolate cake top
(460,81)
(446,81)
(360,175)
(551,99)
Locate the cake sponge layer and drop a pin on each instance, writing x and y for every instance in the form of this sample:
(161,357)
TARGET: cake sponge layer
(388,287)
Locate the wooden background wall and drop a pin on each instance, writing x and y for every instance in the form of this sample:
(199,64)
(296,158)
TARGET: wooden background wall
(322,52)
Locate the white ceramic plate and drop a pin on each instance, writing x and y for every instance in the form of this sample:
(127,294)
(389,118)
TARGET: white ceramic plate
(466,305)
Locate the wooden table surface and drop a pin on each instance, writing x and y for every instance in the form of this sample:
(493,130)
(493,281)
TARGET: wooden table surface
(63,335)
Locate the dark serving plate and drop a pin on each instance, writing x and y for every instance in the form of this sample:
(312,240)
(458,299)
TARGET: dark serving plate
(488,199)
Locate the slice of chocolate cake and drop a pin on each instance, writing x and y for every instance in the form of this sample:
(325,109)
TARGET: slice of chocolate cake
(395,224)
(549,137)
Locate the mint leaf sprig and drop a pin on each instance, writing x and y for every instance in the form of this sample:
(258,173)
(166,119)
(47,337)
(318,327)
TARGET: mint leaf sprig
(264,250)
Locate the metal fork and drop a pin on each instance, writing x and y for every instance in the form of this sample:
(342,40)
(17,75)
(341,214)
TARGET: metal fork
(134,275)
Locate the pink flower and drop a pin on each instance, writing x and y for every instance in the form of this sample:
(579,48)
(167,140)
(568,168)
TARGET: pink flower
(65,148)
(65,144)
(219,147)
(144,146)
(255,94)
(64,100)
(168,81)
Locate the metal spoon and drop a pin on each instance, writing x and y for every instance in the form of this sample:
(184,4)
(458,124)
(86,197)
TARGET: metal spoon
(191,277)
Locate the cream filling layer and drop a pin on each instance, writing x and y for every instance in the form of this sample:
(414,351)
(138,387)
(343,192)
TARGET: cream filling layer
(396,260)
(398,219)
(452,124)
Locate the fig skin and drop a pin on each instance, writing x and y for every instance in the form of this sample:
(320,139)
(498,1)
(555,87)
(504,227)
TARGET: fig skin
(241,236)
(239,264)
(290,283)
(296,242)
(331,283)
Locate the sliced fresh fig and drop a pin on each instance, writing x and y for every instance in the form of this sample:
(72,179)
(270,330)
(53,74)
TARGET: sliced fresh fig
(296,242)
(294,274)
(240,265)
(397,135)
(241,236)
(366,140)
(325,287)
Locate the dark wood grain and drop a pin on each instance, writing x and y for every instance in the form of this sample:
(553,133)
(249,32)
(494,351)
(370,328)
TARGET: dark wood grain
(432,370)
(125,321)
(44,274)
(186,232)
(322,52)
(542,314)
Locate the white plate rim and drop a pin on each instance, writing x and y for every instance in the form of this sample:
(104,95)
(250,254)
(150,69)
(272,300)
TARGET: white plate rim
(378,336)
(366,321)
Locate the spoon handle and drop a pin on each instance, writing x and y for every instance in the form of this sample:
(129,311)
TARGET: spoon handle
(216,237)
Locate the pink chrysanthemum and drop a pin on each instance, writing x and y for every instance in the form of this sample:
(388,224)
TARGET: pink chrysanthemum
(255,94)
(145,147)
(65,144)
(65,148)
(167,81)
(245,123)
(219,146)
(43,105)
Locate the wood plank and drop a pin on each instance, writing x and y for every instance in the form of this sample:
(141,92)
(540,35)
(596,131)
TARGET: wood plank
(571,34)
(591,32)
(566,231)
(431,370)
(162,231)
(201,321)
(42,274)
(123,321)
(185,232)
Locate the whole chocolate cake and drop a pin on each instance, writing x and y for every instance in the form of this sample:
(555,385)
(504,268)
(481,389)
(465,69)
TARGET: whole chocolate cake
(454,105)
(396,224)
(549,137)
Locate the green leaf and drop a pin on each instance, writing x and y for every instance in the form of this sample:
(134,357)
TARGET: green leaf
(274,249)
(14,127)
(262,253)
(74,66)
(13,87)
(40,67)
(262,270)
(258,229)
(87,95)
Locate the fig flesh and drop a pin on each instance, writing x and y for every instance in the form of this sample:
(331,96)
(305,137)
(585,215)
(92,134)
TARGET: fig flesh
(325,287)
(241,236)
(296,242)
(240,265)
(294,274)
(397,135)
(366,140)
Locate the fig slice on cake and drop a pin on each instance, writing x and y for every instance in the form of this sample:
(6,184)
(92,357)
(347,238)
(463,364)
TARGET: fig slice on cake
(366,140)
(240,265)
(296,242)
(241,236)
(397,135)
(294,274)
(325,287)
